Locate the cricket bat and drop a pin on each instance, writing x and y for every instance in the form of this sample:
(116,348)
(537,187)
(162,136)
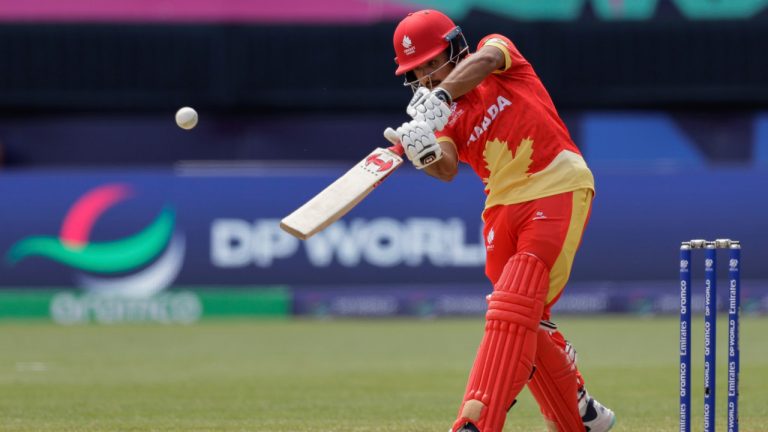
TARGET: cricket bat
(346,192)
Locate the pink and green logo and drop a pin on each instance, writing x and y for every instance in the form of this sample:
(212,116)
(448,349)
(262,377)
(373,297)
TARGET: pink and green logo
(158,249)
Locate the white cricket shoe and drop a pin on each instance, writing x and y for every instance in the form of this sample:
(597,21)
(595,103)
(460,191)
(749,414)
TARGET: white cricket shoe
(596,417)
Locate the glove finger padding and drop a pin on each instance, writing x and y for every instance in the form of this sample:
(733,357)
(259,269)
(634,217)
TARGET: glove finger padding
(420,144)
(430,107)
(416,100)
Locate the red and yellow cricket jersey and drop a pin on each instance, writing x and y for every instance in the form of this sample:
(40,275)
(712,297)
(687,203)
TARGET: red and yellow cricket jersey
(508,131)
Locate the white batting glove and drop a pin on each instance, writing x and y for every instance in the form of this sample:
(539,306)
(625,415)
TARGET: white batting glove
(419,143)
(432,107)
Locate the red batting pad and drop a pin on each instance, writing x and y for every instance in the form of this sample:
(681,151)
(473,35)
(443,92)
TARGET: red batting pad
(555,383)
(506,354)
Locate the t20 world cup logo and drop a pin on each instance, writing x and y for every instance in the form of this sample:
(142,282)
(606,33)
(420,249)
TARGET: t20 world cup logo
(139,265)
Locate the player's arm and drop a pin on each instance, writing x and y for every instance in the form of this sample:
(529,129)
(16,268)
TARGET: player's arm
(447,166)
(473,70)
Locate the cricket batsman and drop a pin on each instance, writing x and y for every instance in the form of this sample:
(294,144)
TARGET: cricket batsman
(490,110)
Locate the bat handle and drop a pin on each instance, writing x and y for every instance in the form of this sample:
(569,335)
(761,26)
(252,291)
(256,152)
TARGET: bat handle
(392,137)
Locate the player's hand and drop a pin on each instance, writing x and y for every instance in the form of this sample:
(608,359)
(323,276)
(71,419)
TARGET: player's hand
(419,143)
(432,107)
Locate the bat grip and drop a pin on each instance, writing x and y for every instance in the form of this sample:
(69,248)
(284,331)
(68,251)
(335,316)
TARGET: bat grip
(397,148)
(392,137)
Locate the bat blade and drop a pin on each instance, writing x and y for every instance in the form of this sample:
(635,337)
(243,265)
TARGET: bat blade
(342,195)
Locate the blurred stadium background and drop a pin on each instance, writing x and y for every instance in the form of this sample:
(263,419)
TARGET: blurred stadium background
(112,214)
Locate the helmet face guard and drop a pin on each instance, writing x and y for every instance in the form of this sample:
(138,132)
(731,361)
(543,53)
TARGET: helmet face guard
(457,50)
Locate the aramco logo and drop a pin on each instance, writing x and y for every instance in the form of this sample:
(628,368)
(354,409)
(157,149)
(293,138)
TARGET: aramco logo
(123,278)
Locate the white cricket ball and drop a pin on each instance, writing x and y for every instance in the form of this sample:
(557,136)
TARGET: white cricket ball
(186,118)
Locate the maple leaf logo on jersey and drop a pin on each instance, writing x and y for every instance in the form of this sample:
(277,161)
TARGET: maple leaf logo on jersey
(408,45)
(489,240)
(502,162)
(455,114)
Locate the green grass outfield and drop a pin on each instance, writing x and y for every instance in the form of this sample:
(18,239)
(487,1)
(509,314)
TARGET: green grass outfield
(377,375)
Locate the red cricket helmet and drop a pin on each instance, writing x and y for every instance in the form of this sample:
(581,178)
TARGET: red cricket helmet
(421,36)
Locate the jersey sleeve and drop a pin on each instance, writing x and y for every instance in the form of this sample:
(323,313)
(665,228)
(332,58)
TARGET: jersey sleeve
(512,56)
(446,136)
